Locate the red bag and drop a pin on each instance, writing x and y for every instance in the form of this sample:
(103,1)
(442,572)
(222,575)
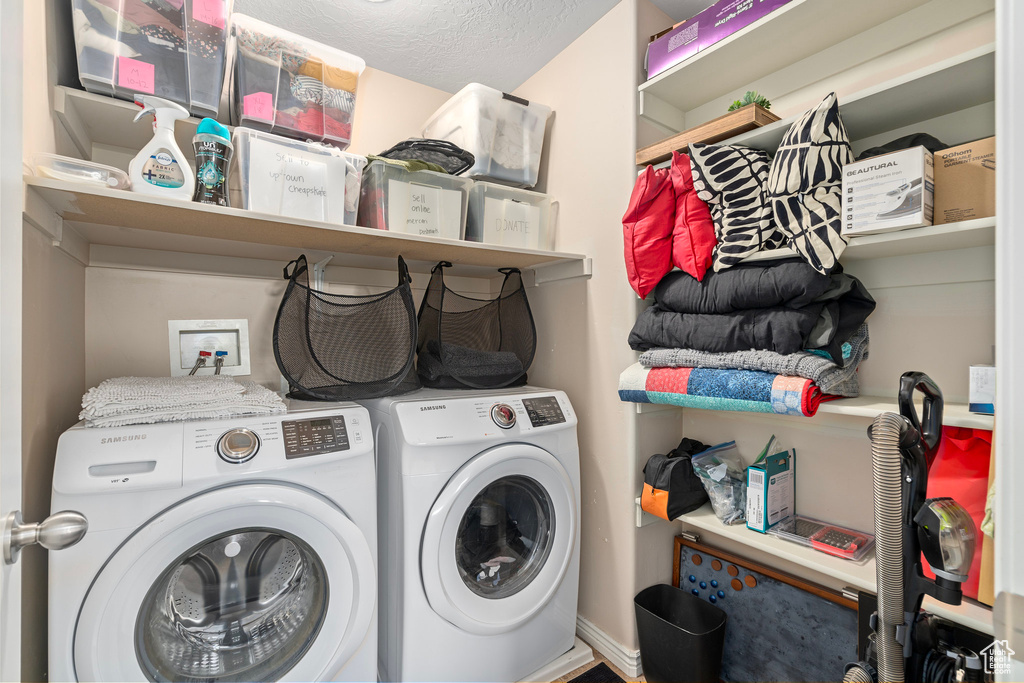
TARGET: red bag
(960,471)
(693,237)
(647,230)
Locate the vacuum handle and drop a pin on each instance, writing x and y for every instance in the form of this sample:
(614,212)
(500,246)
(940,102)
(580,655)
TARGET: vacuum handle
(929,426)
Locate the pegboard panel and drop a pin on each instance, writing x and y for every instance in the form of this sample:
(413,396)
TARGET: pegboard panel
(780,628)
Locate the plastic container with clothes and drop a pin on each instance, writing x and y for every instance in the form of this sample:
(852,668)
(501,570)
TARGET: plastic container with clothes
(503,132)
(286,84)
(286,177)
(509,217)
(424,203)
(174,49)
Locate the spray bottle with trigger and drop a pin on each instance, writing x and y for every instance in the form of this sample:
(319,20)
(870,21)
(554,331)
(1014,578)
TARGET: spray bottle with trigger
(161,168)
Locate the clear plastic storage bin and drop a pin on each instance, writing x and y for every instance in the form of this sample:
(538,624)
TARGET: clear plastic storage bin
(285,177)
(290,85)
(510,217)
(173,49)
(505,133)
(418,203)
(59,167)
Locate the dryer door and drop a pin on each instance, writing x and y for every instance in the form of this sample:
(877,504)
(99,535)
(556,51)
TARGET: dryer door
(256,582)
(499,539)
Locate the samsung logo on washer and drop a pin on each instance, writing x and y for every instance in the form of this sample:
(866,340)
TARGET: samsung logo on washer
(116,439)
(433,407)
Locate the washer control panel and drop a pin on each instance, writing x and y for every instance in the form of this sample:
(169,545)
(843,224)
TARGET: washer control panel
(314,436)
(503,415)
(543,411)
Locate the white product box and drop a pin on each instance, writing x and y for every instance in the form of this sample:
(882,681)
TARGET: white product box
(771,491)
(982,393)
(893,191)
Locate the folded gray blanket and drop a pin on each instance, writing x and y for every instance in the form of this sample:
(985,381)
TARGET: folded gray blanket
(831,378)
(450,359)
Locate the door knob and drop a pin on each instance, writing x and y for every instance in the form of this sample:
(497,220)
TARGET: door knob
(58,531)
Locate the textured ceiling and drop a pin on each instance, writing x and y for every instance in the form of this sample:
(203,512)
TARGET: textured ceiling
(682,9)
(442,43)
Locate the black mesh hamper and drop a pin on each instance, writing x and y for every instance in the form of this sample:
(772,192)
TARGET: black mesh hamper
(467,343)
(340,347)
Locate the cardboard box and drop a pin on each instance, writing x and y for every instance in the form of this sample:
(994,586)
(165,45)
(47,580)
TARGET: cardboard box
(705,29)
(965,182)
(771,486)
(982,392)
(889,192)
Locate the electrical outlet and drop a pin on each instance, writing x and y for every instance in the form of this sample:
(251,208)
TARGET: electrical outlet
(187,338)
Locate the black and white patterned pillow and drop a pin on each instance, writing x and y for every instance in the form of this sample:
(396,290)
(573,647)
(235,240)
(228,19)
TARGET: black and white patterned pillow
(732,180)
(805,184)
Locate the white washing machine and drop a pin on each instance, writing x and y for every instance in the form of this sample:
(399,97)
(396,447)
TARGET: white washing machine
(479,532)
(237,549)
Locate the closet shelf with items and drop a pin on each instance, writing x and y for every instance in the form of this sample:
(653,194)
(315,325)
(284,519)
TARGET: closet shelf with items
(856,575)
(787,35)
(119,218)
(863,407)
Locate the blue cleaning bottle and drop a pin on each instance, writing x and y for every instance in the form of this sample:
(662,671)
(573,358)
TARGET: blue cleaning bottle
(213,148)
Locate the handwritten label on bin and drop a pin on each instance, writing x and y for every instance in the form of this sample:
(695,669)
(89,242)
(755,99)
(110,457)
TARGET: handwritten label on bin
(258,105)
(424,210)
(287,181)
(511,223)
(136,75)
(209,12)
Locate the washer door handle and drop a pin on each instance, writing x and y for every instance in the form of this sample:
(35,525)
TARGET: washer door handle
(58,531)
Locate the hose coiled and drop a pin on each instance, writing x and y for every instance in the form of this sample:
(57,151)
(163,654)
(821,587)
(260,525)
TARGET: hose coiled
(856,673)
(888,487)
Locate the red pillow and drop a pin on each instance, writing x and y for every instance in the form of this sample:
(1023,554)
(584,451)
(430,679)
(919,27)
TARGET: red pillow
(647,230)
(693,238)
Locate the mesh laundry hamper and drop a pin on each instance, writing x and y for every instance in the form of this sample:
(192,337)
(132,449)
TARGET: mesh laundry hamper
(475,343)
(339,347)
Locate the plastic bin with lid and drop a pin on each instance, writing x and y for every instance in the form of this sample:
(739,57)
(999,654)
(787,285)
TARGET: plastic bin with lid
(173,49)
(504,132)
(510,217)
(418,202)
(290,85)
(59,167)
(285,177)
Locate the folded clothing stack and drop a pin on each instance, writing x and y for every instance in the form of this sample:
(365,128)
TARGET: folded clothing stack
(144,400)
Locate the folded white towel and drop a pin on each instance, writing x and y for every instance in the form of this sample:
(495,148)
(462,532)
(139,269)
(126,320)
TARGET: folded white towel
(144,400)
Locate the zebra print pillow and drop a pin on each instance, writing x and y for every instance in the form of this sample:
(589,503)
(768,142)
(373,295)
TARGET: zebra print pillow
(805,184)
(731,180)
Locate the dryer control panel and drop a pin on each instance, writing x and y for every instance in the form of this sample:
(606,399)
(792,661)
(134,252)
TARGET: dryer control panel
(543,411)
(314,436)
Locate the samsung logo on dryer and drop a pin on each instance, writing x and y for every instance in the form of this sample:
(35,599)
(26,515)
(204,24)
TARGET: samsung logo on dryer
(118,439)
(434,407)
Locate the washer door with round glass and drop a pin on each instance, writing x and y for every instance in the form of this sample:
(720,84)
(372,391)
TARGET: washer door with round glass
(259,582)
(499,539)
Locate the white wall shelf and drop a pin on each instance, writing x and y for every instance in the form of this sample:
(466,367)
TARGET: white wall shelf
(126,219)
(979,232)
(853,574)
(92,119)
(787,35)
(866,407)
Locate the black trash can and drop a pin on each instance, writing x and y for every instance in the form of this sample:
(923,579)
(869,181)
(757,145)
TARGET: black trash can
(681,636)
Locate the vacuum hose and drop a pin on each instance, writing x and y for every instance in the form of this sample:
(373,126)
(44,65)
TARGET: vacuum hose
(886,431)
(858,673)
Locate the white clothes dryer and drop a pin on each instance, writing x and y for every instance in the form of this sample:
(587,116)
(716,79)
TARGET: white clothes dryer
(479,496)
(236,549)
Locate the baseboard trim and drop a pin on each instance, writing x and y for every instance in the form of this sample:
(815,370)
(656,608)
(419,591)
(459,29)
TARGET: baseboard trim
(628,661)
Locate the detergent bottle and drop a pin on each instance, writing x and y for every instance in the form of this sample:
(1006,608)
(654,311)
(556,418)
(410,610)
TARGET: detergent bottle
(161,168)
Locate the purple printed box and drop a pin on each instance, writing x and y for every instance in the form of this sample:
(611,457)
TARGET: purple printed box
(705,29)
